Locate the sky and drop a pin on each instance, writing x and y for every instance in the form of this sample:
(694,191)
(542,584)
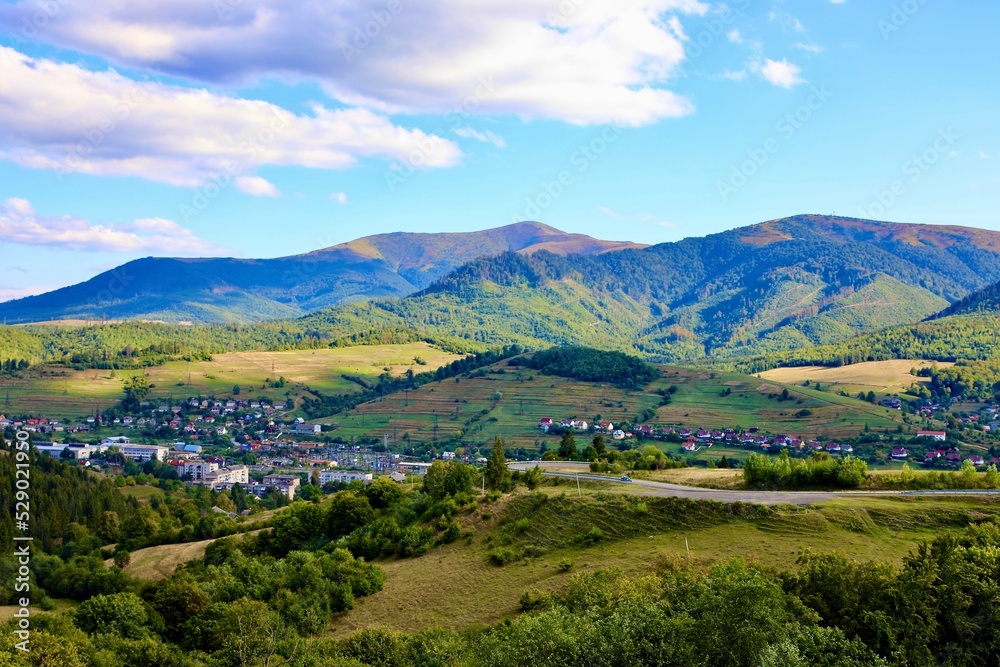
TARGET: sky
(263,128)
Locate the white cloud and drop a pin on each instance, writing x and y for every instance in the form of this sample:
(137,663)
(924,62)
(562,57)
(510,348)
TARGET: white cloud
(734,36)
(339,197)
(785,20)
(781,73)
(19,224)
(984,155)
(257,186)
(810,47)
(63,117)
(591,64)
(486,137)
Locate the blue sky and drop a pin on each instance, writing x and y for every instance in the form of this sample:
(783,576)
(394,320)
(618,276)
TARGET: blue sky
(264,127)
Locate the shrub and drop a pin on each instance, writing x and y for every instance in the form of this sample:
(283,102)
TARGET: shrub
(503,556)
(565,565)
(592,536)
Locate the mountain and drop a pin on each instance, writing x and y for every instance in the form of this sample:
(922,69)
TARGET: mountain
(777,285)
(243,290)
(986,300)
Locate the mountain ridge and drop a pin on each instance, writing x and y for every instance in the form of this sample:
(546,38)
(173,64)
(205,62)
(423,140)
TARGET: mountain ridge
(219,290)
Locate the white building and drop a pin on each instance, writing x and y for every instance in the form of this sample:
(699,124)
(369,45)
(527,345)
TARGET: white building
(116,441)
(229,475)
(143,453)
(198,470)
(327,476)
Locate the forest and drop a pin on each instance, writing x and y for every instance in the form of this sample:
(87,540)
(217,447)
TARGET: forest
(269,599)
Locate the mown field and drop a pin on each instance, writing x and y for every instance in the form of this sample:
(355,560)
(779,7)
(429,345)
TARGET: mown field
(64,393)
(509,402)
(882,377)
(515,399)
(716,400)
(455,586)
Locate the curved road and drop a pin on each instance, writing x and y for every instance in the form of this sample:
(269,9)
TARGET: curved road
(694,492)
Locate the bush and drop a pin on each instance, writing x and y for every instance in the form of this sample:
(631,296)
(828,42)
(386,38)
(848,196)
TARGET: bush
(565,565)
(592,536)
(503,556)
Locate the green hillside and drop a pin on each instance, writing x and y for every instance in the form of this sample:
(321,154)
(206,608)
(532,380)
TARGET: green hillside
(969,337)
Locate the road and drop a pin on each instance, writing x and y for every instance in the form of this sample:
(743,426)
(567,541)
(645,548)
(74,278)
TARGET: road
(760,497)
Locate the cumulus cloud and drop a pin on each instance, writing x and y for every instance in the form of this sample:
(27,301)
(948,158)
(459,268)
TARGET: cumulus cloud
(781,73)
(66,118)
(20,224)
(340,198)
(579,62)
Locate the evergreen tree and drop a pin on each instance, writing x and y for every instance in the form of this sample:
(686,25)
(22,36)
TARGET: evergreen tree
(497,473)
(567,447)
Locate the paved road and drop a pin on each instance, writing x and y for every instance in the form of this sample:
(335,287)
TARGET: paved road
(760,497)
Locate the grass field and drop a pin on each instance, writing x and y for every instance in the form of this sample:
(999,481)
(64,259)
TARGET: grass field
(882,377)
(156,563)
(515,399)
(719,400)
(454,586)
(64,393)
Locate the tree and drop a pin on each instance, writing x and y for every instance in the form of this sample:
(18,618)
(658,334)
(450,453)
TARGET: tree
(236,390)
(590,453)
(348,512)
(383,492)
(435,480)
(122,559)
(459,479)
(533,478)
(567,446)
(121,614)
(497,473)
(600,445)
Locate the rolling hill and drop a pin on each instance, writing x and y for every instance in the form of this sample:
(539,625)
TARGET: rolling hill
(219,290)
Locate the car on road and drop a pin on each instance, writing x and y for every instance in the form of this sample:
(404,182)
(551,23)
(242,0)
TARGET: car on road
(626,478)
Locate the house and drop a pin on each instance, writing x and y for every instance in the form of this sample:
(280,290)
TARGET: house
(900,453)
(447,456)
(618,434)
(976,460)
(306,429)
(703,434)
(116,441)
(690,445)
(953,456)
(397,477)
(545,423)
(833,447)
(847,449)
(939,436)
(607,427)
